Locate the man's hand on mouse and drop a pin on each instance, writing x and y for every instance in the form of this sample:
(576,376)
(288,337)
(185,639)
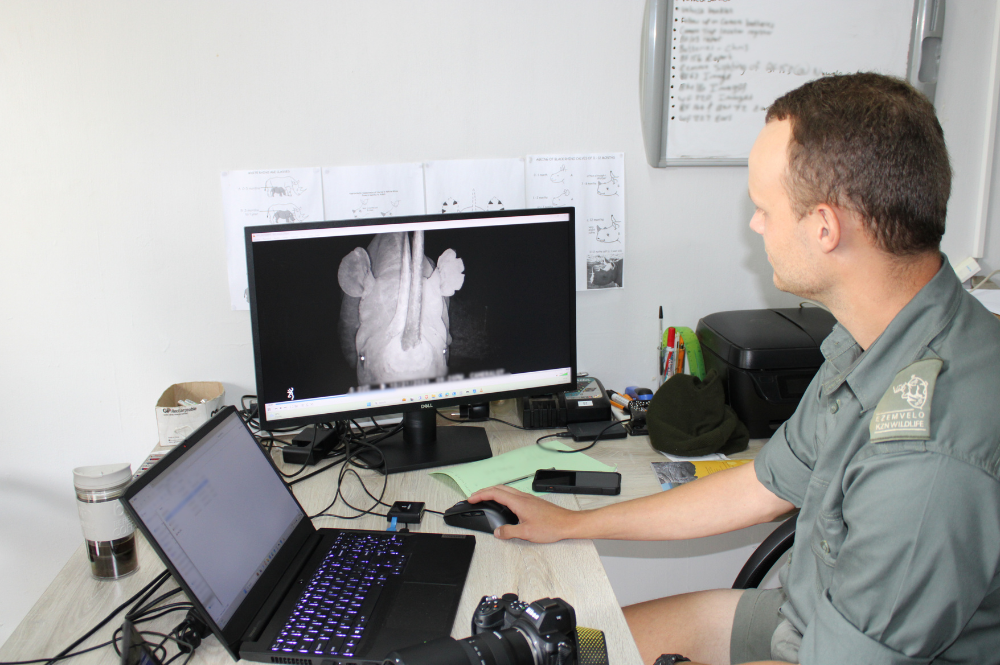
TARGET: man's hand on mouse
(540,520)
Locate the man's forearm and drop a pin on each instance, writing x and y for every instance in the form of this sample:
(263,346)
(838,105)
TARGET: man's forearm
(719,503)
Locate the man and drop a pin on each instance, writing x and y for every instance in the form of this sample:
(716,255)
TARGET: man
(893,455)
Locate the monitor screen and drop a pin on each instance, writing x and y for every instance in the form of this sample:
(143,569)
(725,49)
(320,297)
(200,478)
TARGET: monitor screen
(375,316)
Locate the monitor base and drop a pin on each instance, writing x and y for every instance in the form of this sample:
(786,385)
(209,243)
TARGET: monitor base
(410,450)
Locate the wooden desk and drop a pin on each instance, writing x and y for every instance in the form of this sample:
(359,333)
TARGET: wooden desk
(572,570)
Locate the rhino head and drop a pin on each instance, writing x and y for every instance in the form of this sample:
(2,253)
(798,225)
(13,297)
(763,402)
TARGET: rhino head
(394,316)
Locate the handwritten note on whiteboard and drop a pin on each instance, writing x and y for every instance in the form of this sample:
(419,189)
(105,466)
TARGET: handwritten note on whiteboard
(730,59)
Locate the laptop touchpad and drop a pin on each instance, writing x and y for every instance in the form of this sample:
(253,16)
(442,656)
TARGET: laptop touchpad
(419,613)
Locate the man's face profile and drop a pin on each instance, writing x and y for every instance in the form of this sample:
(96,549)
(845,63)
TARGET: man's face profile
(785,235)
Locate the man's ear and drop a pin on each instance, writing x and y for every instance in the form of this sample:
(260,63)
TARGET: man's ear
(829,227)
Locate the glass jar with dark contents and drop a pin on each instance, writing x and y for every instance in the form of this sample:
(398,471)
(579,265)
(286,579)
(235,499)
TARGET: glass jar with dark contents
(107,529)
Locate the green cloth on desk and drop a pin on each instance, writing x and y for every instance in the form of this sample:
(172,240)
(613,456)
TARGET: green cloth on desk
(501,469)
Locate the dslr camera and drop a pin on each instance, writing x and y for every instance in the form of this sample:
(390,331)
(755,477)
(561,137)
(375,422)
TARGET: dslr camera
(505,631)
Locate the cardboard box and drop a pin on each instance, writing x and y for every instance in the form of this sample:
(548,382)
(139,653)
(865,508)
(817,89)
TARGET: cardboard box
(174,422)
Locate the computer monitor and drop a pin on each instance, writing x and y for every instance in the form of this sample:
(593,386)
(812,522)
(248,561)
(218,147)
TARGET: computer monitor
(365,317)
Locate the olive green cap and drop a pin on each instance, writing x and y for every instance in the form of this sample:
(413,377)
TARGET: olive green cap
(689,416)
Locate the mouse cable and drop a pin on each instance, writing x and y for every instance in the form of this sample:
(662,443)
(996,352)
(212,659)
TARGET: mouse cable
(389,505)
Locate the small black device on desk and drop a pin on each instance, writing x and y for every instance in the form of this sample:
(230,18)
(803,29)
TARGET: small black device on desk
(577,482)
(588,403)
(135,650)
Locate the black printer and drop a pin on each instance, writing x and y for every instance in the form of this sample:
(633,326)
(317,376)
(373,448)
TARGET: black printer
(766,358)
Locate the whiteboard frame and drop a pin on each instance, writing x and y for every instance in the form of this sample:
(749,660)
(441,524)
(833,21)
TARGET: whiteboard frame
(990,131)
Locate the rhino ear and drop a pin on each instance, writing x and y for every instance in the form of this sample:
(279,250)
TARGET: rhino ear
(452,271)
(355,272)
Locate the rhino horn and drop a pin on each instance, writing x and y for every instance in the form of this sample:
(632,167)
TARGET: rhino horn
(411,332)
(403,289)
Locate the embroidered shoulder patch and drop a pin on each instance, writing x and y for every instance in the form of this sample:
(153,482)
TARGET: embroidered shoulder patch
(904,412)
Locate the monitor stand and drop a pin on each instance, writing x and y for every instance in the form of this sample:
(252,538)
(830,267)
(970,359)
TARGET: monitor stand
(423,445)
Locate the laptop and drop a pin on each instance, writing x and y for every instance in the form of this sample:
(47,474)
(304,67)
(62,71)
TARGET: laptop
(266,581)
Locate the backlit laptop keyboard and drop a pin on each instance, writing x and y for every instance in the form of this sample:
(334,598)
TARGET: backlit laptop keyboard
(333,613)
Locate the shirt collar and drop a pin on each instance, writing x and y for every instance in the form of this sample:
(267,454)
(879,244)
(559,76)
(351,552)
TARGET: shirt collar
(903,341)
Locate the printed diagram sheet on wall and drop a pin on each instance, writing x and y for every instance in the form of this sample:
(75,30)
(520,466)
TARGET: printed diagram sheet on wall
(387,190)
(595,186)
(474,185)
(250,198)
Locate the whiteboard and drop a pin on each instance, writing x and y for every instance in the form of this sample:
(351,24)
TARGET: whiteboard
(730,59)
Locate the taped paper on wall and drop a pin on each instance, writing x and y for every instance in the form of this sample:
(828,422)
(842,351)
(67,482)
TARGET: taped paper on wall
(250,198)
(386,190)
(595,185)
(474,185)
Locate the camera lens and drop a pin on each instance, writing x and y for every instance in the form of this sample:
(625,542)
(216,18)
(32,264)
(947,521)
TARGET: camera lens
(506,647)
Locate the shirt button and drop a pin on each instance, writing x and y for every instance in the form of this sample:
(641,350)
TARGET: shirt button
(825,546)
(835,407)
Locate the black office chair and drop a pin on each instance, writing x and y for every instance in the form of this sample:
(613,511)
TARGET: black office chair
(766,555)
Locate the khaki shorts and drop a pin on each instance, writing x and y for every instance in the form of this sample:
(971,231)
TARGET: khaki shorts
(760,630)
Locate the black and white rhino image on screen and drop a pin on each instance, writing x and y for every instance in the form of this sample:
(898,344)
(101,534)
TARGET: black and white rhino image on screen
(394,322)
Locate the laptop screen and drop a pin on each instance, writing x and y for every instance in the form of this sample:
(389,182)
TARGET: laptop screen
(220,513)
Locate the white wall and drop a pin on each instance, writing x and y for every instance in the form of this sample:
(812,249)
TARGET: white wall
(117,117)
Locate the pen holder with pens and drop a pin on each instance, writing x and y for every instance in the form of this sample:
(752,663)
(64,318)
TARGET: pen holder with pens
(677,346)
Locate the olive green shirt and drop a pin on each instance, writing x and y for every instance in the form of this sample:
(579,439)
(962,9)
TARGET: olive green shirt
(893,457)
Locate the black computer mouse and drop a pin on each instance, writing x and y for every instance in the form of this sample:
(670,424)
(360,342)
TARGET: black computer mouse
(483,516)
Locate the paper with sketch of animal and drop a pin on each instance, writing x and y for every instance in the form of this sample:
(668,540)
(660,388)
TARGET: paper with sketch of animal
(385,190)
(265,196)
(595,185)
(474,185)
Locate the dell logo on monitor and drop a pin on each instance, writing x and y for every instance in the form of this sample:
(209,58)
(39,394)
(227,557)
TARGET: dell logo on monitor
(426,406)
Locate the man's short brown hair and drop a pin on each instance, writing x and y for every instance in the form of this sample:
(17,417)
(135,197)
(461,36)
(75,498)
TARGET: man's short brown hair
(871,144)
